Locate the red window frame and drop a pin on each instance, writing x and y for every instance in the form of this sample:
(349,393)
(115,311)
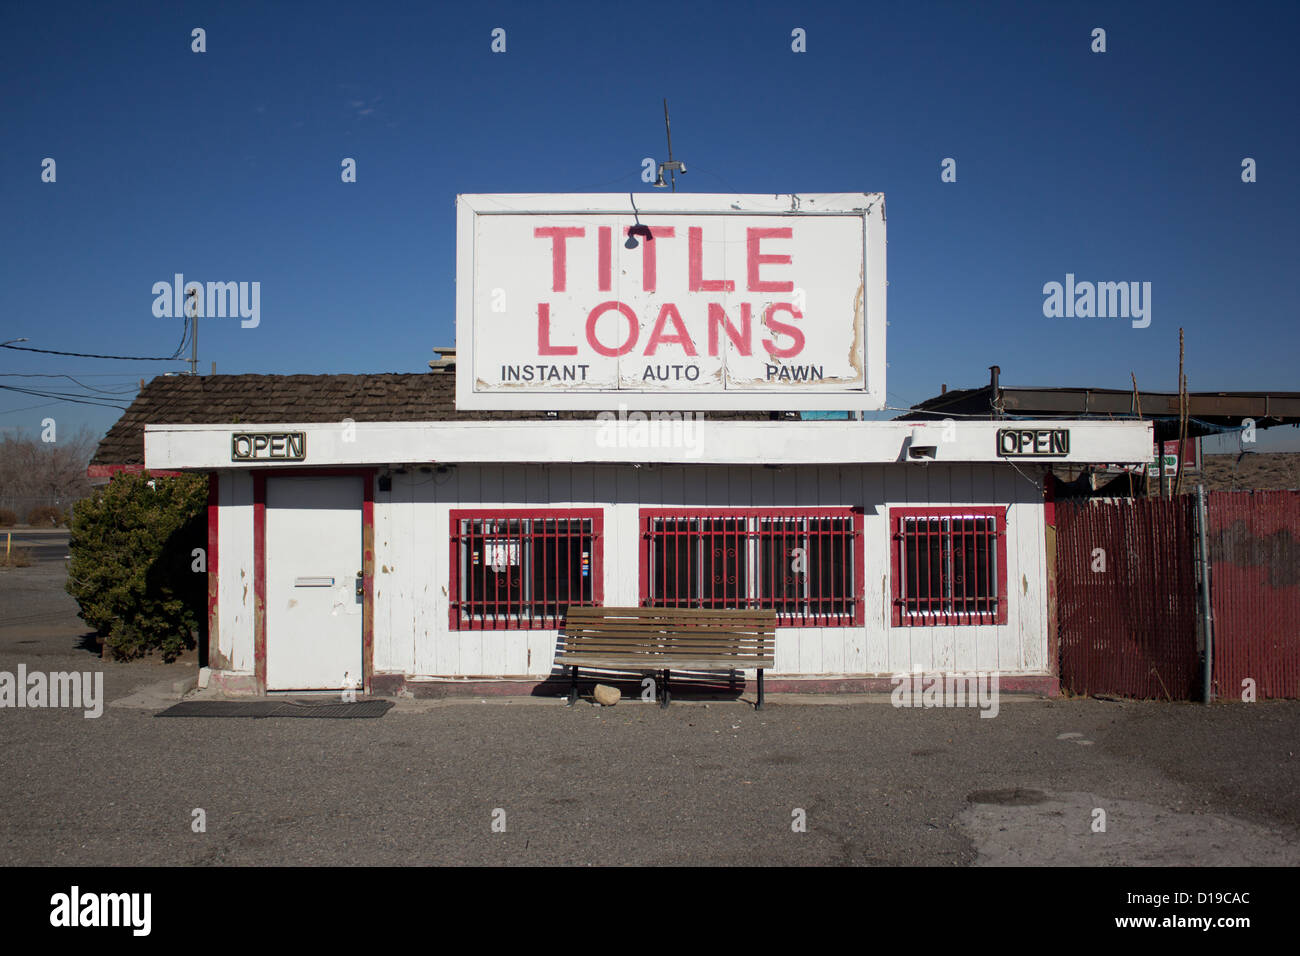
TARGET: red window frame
(504,619)
(946,616)
(751,536)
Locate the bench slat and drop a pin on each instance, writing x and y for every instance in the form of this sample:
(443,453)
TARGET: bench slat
(672,662)
(652,637)
(625,625)
(658,634)
(653,664)
(666,653)
(660,637)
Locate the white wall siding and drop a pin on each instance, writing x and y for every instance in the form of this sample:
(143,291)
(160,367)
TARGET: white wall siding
(235,590)
(412,627)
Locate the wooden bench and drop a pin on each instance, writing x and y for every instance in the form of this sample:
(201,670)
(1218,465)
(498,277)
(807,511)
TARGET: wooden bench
(665,639)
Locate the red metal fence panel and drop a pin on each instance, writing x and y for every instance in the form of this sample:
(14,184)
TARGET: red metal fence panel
(1126,597)
(1254,539)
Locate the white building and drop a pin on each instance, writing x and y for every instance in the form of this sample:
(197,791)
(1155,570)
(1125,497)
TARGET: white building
(376,535)
(466,540)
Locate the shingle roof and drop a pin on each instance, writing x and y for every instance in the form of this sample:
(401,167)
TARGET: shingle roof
(271,399)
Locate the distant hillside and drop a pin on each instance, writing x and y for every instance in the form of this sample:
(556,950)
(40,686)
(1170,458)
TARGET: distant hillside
(1259,470)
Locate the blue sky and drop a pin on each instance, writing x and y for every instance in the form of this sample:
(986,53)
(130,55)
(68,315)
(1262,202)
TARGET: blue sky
(1115,166)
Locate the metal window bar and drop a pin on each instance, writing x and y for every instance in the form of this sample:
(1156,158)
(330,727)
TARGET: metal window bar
(524,572)
(950,569)
(731,561)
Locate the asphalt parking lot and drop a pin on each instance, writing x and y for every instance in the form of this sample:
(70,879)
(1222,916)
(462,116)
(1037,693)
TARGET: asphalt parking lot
(44,545)
(535,782)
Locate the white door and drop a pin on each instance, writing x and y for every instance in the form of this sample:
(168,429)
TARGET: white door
(313,610)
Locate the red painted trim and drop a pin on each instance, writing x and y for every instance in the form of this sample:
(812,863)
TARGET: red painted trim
(643,558)
(895,570)
(819,512)
(259,579)
(860,573)
(1049,561)
(367,476)
(108,471)
(344,471)
(214,570)
(597,516)
(958,619)
(368,577)
(647,515)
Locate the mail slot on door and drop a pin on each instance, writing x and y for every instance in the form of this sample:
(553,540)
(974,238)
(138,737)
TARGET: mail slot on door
(313,582)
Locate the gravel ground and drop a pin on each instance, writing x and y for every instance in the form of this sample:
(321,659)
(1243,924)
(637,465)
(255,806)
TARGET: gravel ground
(696,784)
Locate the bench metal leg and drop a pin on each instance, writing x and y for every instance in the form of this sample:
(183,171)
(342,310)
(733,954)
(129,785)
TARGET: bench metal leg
(733,679)
(573,685)
(665,698)
(759,706)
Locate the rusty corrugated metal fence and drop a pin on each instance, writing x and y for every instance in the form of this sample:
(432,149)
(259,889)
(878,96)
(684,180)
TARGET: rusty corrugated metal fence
(1126,597)
(1254,539)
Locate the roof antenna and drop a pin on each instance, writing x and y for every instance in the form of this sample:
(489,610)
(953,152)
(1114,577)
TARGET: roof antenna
(193,316)
(673,166)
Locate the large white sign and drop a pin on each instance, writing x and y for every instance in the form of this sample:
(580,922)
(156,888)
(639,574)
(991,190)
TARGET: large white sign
(670,301)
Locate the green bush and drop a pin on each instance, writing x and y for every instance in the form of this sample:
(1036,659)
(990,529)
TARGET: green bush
(45,516)
(7,518)
(132,563)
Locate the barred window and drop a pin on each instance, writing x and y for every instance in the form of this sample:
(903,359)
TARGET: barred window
(949,566)
(515,569)
(804,565)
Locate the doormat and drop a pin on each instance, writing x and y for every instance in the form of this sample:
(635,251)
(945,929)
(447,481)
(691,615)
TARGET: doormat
(335,710)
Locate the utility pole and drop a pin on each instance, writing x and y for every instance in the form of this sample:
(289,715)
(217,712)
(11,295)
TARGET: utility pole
(194,332)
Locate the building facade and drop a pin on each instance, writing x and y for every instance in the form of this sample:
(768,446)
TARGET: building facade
(429,555)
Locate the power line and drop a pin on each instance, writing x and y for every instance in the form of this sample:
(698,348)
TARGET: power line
(65,397)
(28,408)
(186,330)
(124,358)
(116,390)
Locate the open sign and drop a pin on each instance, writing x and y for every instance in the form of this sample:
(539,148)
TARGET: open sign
(268,446)
(1033,442)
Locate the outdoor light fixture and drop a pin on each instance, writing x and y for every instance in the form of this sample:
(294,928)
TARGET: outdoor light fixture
(633,232)
(671,165)
(918,451)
